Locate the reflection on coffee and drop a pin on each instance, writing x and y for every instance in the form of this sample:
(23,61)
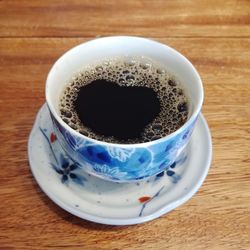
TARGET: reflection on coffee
(124,100)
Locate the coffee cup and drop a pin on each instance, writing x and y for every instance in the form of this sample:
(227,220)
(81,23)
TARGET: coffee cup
(113,161)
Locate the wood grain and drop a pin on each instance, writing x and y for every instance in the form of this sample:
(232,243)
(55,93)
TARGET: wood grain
(158,18)
(214,35)
(217,217)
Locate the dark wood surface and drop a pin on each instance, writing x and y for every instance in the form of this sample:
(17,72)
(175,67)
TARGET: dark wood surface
(214,35)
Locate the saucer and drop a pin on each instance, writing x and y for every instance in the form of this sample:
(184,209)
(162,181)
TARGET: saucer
(100,201)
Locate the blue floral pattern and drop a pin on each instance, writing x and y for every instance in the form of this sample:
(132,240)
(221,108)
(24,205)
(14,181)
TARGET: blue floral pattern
(123,163)
(67,171)
(65,167)
(105,162)
(121,154)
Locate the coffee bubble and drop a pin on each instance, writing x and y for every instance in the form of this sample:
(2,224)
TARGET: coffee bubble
(132,71)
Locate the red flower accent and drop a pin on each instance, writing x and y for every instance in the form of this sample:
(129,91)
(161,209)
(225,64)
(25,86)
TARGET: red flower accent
(144,199)
(53,137)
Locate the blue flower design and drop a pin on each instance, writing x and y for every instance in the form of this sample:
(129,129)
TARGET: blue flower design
(170,170)
(66,170)
(64,167)
(106,161)
(123,163)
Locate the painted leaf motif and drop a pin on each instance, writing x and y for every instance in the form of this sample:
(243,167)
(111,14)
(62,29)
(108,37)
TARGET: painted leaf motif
(144,199)
(53,137)
(121,154)
(104,169)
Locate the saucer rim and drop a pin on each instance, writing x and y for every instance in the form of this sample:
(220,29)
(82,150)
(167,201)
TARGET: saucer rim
(124,221)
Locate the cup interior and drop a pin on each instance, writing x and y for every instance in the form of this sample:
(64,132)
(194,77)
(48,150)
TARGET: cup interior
(102,48)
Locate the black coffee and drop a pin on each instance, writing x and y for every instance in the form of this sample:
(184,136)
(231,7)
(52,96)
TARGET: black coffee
(124,101)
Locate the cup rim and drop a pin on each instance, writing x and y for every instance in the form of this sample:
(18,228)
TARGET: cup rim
(190,120)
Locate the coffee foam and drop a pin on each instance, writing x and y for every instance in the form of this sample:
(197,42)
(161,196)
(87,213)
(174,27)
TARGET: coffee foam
(137,71)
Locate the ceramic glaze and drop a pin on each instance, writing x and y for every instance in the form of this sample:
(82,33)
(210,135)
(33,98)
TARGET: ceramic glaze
(114,203)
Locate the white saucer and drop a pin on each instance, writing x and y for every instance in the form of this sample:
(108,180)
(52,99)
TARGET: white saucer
(105,202)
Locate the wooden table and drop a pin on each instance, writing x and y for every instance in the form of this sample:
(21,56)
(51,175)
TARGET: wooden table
(214,35)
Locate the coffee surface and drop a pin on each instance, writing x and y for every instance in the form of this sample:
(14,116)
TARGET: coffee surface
(124,100)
